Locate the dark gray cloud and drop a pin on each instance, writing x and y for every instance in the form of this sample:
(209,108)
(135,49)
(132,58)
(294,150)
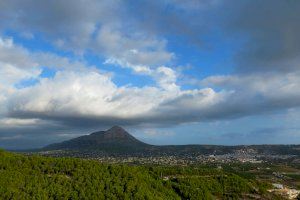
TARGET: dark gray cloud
(73,23)
(45,132)
(267,135)
(266,30)
(182,19)
(269,28)
(272,28)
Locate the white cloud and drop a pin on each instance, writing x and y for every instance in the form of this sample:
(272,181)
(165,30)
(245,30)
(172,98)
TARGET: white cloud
(13,137)
(7,122)
(136,49)
(75,89)
(259,92)
(12,74)
(78,90)
(86,94)
(91,94)
(166,78)
(15,63)
(267,85)
(15,55)
(82,91)
(153,133)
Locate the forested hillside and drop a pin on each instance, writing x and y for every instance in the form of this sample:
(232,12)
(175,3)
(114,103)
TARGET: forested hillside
(36,177)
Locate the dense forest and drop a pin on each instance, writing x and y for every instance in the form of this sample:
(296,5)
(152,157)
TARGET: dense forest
(37,177)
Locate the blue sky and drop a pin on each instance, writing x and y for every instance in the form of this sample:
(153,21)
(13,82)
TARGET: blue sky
(171,72)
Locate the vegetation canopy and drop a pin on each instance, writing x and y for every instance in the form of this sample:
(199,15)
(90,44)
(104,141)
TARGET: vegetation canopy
(37,177)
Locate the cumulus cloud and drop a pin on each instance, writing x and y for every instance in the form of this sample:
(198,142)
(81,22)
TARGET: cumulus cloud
(15,55)
(16,63)
(94,96)
(258,93)
(134,49)
(88,93)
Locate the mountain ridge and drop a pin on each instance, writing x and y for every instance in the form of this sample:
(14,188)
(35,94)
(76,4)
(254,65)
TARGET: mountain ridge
(118,141)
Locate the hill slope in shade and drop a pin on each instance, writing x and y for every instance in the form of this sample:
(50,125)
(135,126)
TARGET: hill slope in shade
(114,139)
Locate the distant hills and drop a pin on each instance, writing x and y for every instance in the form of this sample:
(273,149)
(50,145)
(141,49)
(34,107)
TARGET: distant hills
(118,141)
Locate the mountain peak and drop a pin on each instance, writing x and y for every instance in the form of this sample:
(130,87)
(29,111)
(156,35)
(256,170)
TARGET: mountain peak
(111,140)
(116,128)
(117,132)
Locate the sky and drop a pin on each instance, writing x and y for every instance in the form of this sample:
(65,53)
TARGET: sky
(168,71)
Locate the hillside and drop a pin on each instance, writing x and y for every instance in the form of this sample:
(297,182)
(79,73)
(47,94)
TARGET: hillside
(36,177)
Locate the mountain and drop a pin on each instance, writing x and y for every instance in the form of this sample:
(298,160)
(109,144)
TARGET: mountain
(115,139)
